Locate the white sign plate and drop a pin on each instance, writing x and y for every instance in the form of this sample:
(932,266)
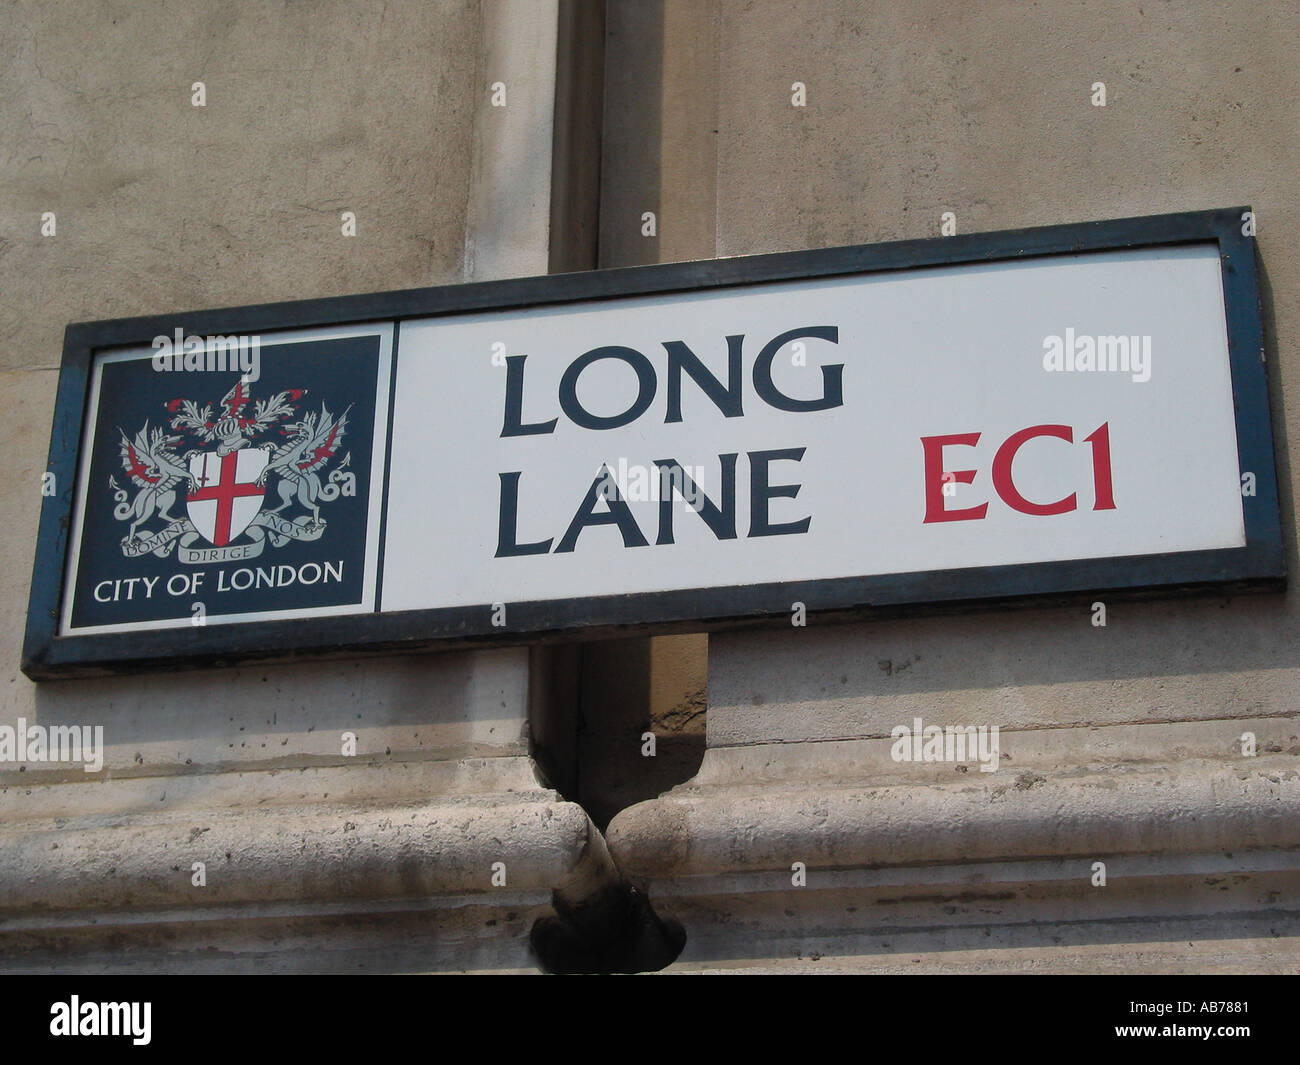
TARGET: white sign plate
(1126,447)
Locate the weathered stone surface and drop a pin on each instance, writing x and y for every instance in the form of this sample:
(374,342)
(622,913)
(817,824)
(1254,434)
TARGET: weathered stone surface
(985,111)
(1189,807)
(449,846)
(972,874)
(282,847)
(379,110)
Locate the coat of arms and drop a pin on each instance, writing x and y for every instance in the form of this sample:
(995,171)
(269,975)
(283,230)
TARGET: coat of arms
(228,476)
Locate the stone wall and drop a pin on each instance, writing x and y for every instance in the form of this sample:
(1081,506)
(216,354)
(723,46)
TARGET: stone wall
(1121,743)
(986,111)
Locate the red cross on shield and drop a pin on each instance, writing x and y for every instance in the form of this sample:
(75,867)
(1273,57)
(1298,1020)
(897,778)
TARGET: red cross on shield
(226,498)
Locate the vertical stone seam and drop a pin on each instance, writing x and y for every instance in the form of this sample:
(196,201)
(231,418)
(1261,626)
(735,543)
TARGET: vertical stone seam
(507,221)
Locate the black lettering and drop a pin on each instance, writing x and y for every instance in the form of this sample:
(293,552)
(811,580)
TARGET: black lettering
(515,402)
(647,385)
(604,486)
(760,491)
(722,520)
(728,399)
(508,526)
(832,376)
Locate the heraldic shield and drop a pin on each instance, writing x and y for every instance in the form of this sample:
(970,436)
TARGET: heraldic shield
(226,495)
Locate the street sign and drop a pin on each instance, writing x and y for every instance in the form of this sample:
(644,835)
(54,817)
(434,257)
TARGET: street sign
(889,428)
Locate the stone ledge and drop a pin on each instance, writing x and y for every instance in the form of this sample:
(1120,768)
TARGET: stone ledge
(29,796)
(1196,946)
(380,851)
(358,869)
(1049,749)
(992,873)
(1191,807)
(103,868)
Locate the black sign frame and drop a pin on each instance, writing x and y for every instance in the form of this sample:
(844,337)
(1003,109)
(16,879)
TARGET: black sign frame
(1259,565)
